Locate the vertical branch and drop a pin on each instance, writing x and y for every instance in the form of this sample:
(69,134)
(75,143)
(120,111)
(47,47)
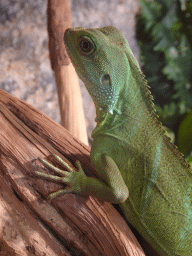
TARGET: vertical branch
(70,100)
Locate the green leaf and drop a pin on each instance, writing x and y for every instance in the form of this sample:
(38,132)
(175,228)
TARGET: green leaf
(183,5)
(184,136)
(189,160)
(166,45)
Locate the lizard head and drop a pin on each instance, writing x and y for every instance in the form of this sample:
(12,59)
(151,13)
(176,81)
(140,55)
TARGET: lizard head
(99,58)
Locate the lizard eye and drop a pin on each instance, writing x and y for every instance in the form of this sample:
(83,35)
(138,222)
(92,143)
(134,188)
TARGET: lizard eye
(86,45)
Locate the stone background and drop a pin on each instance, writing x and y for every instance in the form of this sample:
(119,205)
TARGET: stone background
(25,69)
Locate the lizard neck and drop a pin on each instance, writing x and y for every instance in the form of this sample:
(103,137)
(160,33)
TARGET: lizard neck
(134,119)
(132,110)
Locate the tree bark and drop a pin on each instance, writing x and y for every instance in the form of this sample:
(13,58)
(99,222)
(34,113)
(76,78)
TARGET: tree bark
(69,94)
(31,225)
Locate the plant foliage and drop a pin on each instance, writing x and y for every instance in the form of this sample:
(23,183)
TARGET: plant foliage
(164,31)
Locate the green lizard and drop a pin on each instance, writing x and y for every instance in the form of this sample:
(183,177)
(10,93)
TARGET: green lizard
(138,167)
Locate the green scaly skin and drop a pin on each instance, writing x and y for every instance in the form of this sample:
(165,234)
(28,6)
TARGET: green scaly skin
(138,167)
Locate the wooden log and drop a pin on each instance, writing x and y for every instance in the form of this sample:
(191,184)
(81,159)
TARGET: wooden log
(69,225)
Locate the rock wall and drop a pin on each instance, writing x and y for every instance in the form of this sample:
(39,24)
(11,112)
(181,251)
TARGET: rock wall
(25,69)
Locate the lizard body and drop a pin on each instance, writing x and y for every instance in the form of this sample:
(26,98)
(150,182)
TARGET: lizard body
(137,165)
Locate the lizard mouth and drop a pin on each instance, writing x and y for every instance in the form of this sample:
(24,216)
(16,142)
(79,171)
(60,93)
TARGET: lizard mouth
(70,45)
(67,31)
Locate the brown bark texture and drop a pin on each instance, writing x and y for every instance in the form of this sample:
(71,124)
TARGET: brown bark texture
(58,20)
(29,223)
(69,94)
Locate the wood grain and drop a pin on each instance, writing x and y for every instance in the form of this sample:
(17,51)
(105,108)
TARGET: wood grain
(31,225)
(69,94)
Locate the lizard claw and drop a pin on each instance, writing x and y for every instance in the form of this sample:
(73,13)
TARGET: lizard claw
(71,177)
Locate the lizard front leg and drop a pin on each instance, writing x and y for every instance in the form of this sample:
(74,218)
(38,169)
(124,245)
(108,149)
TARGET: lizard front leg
(110,187)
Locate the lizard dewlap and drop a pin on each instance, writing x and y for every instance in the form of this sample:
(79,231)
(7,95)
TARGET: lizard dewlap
(138,167)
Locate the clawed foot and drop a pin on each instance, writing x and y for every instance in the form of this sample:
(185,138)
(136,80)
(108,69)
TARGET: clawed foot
(71,178)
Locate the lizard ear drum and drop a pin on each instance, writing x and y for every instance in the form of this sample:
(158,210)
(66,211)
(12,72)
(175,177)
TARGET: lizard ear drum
(106,80)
